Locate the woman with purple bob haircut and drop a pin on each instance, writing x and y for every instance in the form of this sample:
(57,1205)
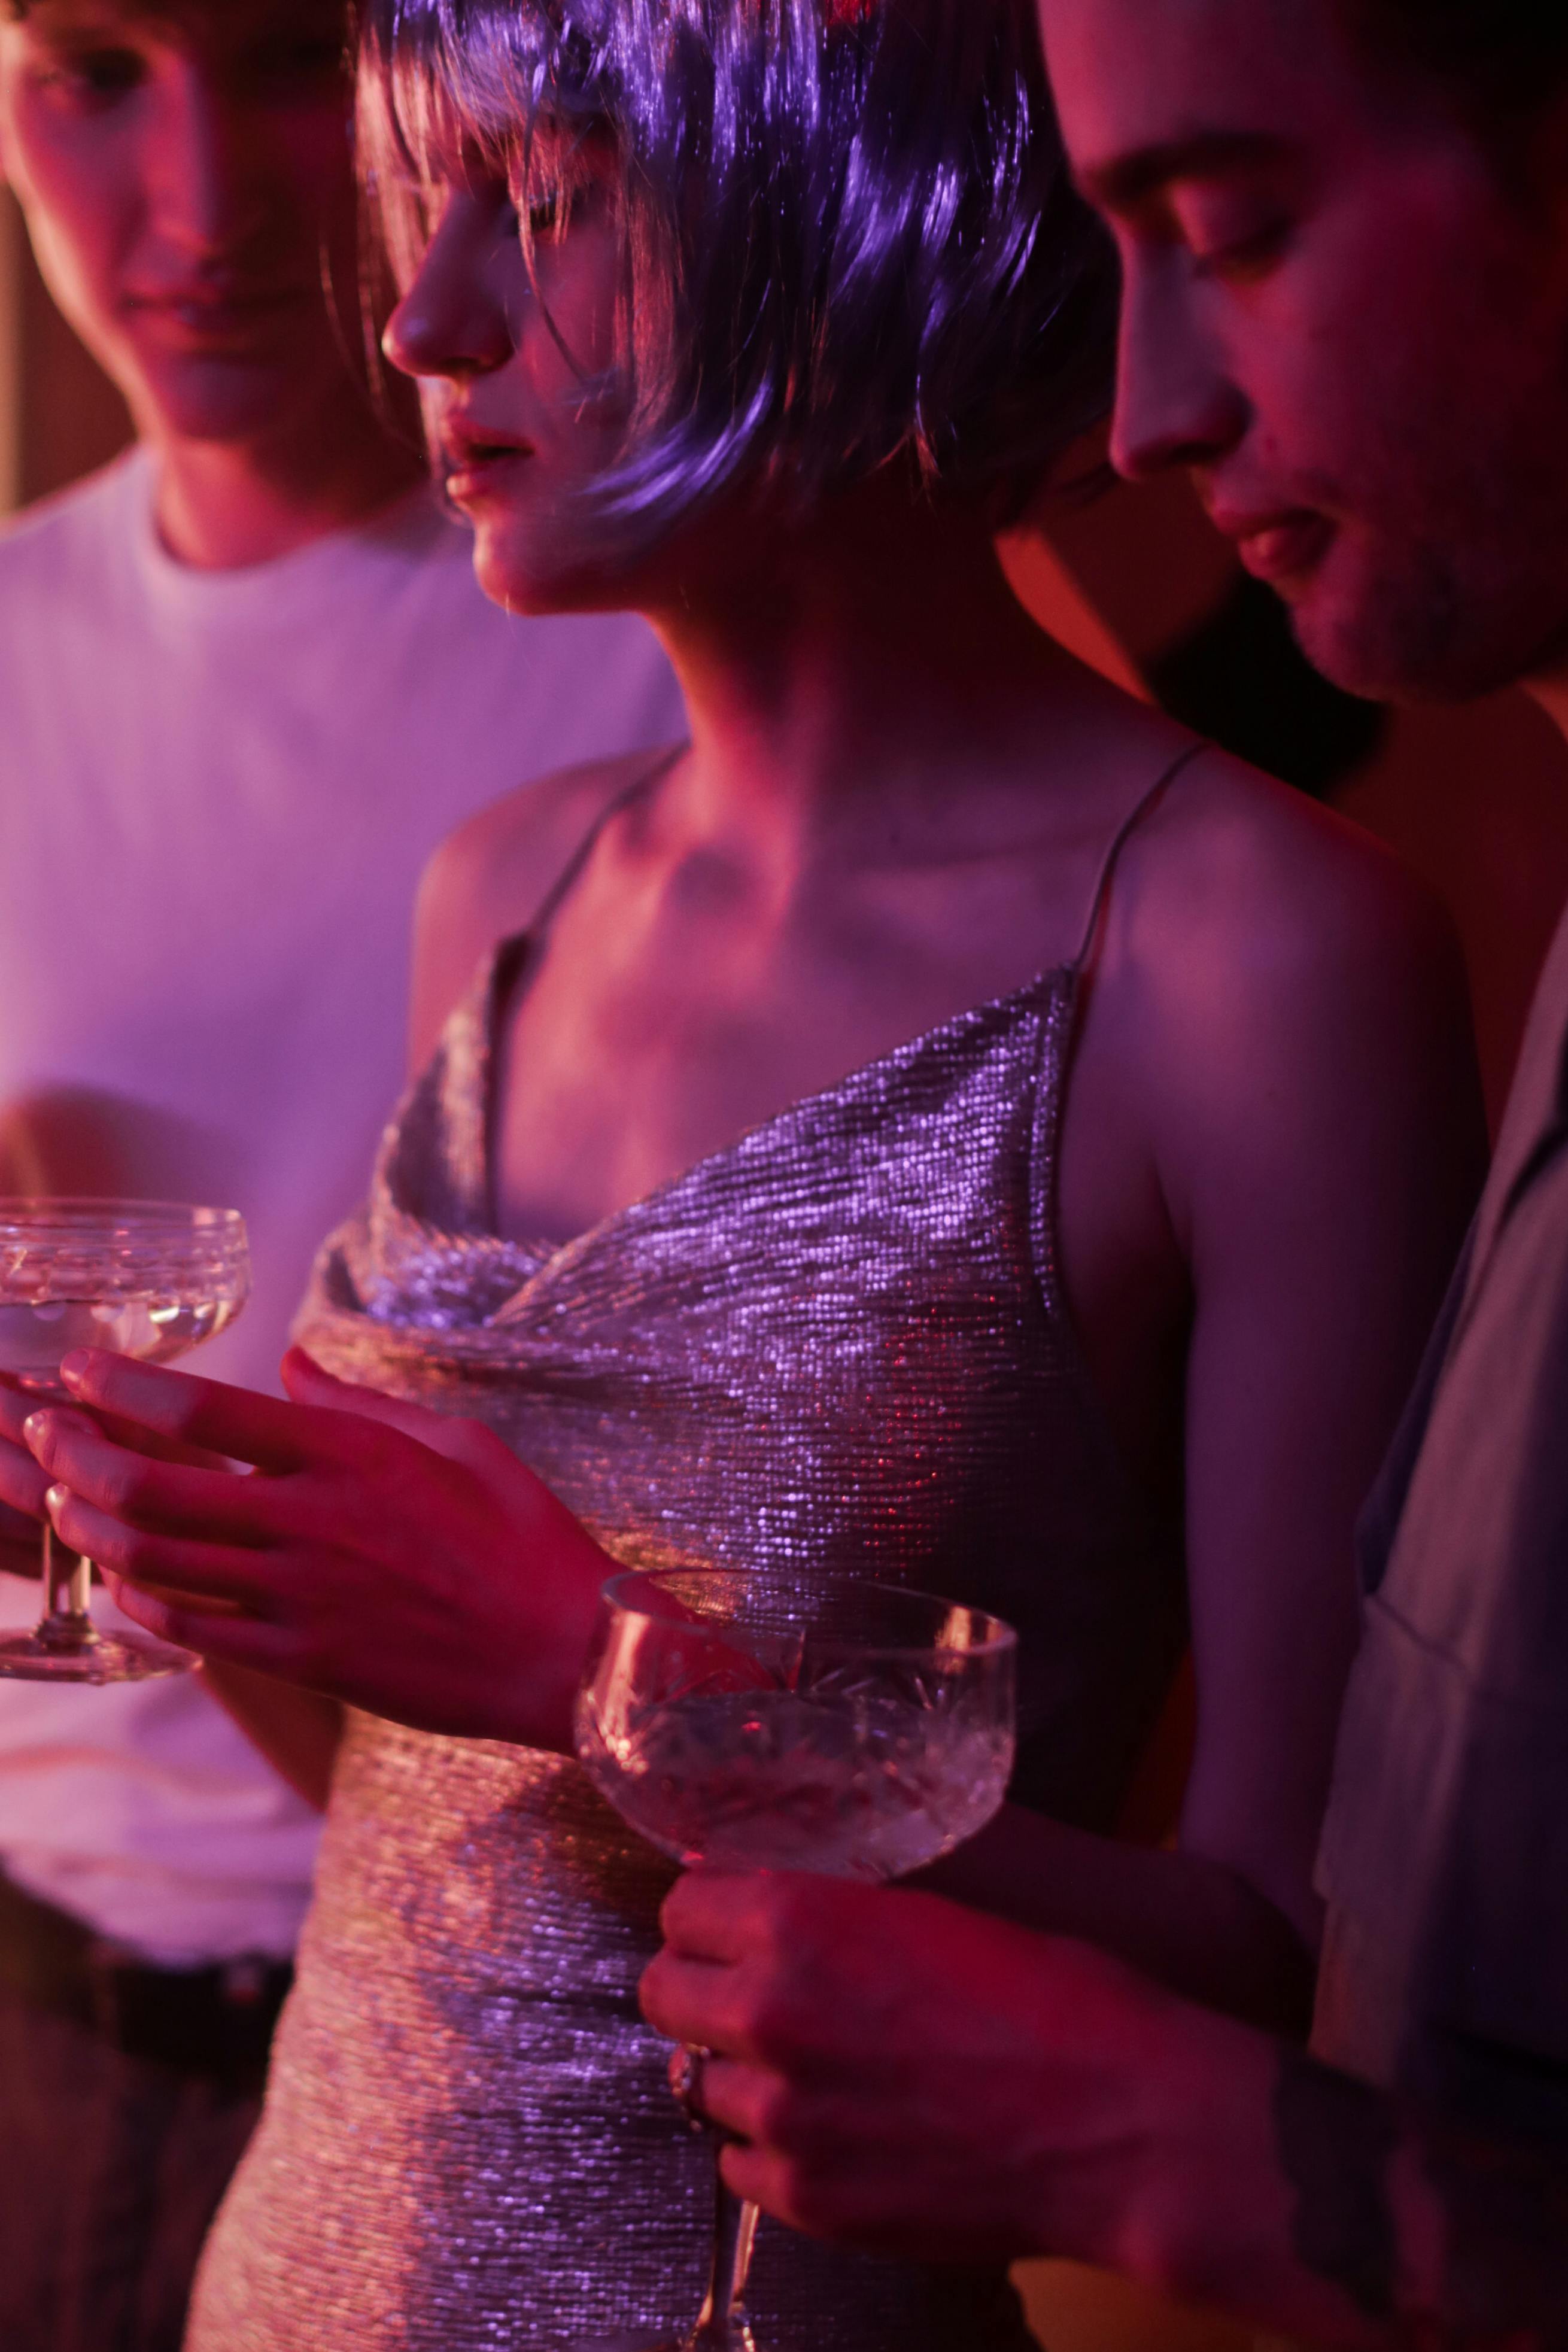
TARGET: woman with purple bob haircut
(846,232)
(941,1124)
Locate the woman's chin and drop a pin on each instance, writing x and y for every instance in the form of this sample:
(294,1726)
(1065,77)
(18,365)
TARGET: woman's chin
(517,587)
(540,582)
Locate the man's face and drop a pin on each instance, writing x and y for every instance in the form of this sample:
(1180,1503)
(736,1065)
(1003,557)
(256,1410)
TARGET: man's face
(186,180)
(1338,317)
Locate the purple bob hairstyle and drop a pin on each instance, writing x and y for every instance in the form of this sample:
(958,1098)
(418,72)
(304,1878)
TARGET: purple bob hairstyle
(847,228)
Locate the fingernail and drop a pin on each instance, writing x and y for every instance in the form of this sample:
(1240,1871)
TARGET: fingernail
(50,1420)
(73,1367)
(55,1500)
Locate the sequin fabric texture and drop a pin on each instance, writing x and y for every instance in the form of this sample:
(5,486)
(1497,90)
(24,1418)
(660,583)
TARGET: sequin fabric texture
(842,1342)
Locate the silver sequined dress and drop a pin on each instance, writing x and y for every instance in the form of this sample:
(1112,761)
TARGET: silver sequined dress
(843,1339)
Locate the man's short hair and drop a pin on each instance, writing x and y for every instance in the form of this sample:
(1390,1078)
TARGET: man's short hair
(1501,59)
(848,233)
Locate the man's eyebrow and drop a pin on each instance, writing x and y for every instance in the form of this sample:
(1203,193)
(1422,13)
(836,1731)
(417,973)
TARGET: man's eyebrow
(1127,179)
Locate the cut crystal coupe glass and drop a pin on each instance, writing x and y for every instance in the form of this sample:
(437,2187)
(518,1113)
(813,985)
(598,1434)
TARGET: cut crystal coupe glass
(787,1721)
(144,1278)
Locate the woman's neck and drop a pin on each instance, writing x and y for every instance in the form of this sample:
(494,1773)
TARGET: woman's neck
(853,681)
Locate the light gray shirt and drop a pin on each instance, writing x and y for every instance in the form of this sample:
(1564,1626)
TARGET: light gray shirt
(217,792)
(1444,1853)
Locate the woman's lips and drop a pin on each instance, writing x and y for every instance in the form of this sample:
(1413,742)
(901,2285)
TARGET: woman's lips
(478,469)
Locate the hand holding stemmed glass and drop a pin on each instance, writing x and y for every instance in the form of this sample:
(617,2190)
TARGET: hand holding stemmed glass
(378,1551)
(407,1562)
(140,1279)
(787,1721)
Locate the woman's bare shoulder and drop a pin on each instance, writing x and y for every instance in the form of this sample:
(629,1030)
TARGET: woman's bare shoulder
(1280,975)
(1234,869)
(489,877)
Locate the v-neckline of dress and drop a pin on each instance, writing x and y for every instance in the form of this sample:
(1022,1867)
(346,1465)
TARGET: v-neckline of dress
(503,968)
(543,1255)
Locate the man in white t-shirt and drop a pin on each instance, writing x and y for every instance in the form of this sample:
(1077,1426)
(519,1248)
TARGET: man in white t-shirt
(246,684)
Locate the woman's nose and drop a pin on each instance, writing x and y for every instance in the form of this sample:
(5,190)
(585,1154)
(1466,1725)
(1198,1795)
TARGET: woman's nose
(1176,401)
(453,318)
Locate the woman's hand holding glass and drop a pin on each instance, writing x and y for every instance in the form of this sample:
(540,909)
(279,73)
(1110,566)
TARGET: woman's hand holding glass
(394,1557)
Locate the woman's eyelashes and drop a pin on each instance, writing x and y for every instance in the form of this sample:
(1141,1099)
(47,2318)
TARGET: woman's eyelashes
(544,216)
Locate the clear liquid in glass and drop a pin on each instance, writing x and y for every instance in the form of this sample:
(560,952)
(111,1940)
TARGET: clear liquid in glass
(794,1721)
(141,1279)
(854,1785)
(36,1337)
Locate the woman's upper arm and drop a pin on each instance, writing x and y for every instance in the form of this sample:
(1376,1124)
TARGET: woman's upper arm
(449,938)
(1321,1184)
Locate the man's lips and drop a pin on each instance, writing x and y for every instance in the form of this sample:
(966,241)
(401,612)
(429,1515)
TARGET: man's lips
(214,310)
(1279,546)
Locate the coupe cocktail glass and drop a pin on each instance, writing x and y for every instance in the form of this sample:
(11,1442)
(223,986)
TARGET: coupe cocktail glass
(765,1721)
(144,1278)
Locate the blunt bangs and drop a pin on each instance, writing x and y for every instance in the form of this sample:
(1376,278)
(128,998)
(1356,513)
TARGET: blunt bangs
(847,228)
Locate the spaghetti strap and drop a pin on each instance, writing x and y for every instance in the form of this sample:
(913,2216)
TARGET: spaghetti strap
(641,783)
(1124,832)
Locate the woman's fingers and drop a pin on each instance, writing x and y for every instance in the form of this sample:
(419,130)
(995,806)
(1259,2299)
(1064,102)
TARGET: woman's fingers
(15,1404)
(236,1422)
(236,1640)
(309,1385)
(22,1484)
(159,1497)
(461,1440)
(255,1582)
(270,1434)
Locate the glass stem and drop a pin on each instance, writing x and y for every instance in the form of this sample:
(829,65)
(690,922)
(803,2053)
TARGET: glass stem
(721,2324)
(67,1596)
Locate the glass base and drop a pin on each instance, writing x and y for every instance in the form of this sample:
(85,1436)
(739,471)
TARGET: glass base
(93,1657)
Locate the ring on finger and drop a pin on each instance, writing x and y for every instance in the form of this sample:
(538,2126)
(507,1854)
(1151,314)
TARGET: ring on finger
(686,2082)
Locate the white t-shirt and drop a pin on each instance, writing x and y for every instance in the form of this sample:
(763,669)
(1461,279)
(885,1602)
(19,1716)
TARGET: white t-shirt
(217,794)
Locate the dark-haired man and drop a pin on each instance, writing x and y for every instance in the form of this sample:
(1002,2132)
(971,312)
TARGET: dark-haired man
(246,683)
(1343,225)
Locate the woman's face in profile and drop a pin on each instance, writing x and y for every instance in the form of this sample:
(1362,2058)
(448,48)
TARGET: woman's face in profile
(507,322)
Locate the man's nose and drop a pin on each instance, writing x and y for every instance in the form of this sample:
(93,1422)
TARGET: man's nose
(1176,404)
(209,176)
(453,320)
